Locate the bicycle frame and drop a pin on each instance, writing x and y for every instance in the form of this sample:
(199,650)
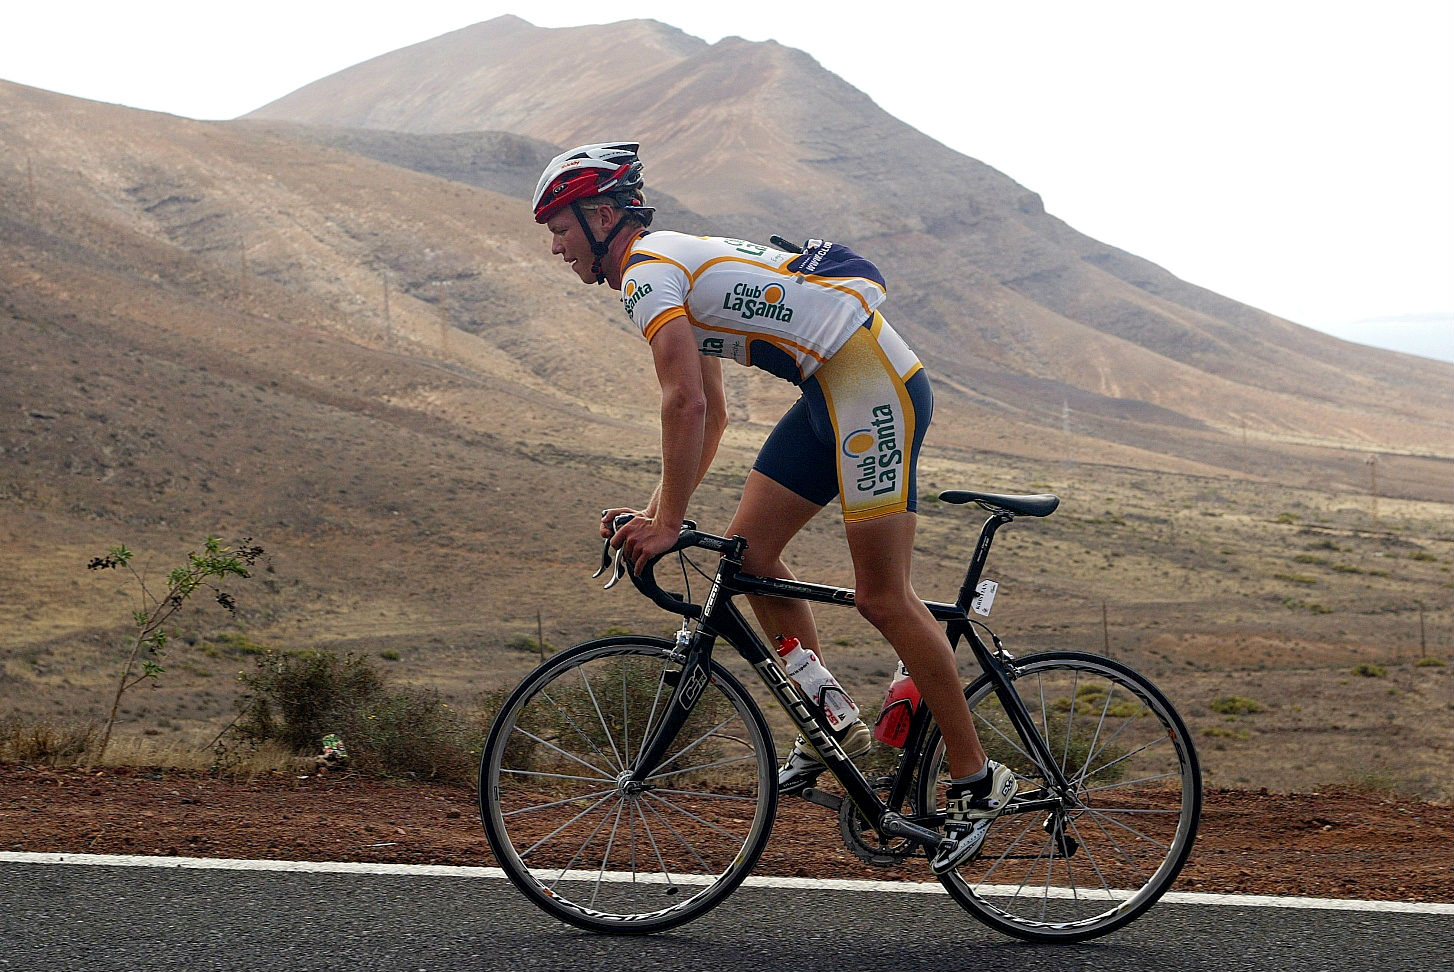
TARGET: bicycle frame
(720,617)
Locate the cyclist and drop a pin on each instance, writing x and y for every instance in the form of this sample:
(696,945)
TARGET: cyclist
(811,318)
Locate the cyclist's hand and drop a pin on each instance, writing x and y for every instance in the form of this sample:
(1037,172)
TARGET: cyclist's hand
(607,516)
(643,538)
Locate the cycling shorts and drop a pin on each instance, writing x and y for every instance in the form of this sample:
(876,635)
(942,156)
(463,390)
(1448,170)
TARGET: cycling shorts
(856,431)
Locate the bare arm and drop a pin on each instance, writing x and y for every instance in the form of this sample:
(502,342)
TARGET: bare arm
(693,415)
(715,424)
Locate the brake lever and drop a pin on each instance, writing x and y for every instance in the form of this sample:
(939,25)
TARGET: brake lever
(618,563)
(618,569)
(605,558)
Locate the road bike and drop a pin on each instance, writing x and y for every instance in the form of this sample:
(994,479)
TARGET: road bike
(629,784)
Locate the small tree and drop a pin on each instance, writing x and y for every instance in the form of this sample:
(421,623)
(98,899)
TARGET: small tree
(207,570)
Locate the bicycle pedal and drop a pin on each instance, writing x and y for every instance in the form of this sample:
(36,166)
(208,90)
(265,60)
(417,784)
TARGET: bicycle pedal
(819,798)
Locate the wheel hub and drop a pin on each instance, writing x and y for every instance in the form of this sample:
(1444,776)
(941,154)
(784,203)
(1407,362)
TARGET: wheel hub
(630,787)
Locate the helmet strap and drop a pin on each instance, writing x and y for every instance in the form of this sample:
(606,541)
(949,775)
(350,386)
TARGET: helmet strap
(599,249)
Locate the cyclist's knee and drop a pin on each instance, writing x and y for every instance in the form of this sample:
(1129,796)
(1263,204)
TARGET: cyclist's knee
(881,607)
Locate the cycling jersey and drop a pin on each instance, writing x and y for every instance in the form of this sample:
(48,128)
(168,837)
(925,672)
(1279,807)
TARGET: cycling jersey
(785,313)
(810,318)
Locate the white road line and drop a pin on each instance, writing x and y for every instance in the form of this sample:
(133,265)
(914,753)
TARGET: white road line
(900,887)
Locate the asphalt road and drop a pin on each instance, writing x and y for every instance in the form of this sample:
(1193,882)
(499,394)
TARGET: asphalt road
(92,918)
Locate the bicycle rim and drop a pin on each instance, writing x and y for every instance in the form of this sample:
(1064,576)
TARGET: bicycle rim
(580,842)
(1073,865)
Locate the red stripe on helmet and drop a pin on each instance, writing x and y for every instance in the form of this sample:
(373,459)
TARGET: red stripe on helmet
(582,184)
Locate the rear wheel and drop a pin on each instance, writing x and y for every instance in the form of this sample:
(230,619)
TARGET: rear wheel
(1071,864)
(589,845)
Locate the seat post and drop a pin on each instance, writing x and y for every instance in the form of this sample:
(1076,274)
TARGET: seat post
(981,553)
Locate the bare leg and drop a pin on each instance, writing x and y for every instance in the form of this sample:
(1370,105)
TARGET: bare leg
(882,548)
(769,515)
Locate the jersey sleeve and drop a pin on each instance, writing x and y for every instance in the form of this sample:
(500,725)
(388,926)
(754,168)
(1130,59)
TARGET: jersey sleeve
(653,292)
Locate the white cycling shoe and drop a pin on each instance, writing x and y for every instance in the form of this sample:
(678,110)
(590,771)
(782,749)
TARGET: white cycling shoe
(969,812)
(802,767)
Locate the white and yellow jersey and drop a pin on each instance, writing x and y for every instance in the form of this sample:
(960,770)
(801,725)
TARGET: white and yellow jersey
(786,313)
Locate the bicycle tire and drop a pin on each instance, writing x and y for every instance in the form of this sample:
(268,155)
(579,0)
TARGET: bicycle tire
(1102,853)
(575,839)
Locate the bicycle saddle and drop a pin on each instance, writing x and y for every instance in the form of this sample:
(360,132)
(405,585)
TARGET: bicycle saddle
(1035,504)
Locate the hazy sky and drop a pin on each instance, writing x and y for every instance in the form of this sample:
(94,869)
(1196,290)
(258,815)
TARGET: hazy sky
(1297,156)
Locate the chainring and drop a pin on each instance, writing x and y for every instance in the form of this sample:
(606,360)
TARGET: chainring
(863,841)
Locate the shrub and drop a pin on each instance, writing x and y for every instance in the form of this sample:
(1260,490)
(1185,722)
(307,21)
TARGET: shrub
(50,745)
(1090,700)
(1235,705)
(527,644)
(411,733)
(295,699)
(1373,783)
(234,643)
(1429,661)
(1368,670)
(389,654)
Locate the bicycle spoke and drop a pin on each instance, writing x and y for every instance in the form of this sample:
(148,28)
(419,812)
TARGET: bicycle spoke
(1135,752)
(1070,719)
(539,774)
(578,731)
(688,845)
(700,740)
(655,704)
(1125,783)
(707,795)
(606,856)
(656,796)
(600,774)
(601,718)
(651,838)
(1074,826)
(1138,834)
(576,856)
(730,761)
(558,803)
(1091,750)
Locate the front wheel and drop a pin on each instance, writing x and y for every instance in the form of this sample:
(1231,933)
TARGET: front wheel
(593,847)
(1067,863)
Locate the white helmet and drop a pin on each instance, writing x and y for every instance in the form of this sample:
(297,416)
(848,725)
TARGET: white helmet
(603,169)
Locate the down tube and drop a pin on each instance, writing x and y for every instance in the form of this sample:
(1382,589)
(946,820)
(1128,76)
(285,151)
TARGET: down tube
(733,626)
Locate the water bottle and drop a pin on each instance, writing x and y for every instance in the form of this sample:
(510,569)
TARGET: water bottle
(892,727)
(817,683)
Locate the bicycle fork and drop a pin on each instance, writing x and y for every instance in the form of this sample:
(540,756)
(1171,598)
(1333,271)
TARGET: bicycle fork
(687,682)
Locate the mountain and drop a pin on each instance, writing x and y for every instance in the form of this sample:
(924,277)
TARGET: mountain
(1025,315)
